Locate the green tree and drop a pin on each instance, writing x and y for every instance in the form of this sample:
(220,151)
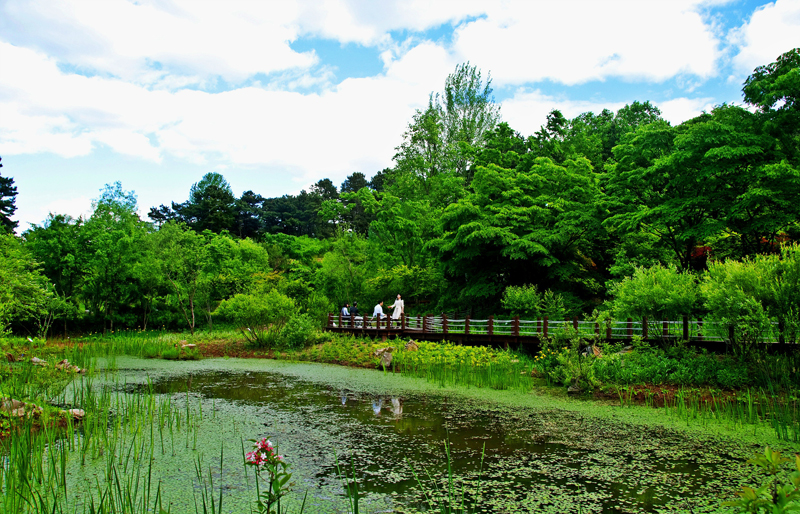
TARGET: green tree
(181,256)
(114,234)
(775,89)
(533,224)
(60,244)
(8,193)
(25,294)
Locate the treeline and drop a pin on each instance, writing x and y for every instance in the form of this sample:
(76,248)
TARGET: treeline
(471,213)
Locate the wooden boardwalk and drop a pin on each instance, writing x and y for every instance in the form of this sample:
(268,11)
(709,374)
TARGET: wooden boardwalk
(515,331)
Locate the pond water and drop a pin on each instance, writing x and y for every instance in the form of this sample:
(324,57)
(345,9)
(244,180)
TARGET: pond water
(526,456)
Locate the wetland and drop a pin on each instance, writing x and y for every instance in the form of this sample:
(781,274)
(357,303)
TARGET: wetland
(508,451)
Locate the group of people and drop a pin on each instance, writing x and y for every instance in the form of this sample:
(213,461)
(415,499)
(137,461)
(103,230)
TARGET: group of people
(377,312)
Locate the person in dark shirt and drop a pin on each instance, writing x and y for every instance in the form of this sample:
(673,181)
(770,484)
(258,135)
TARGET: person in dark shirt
(354,313)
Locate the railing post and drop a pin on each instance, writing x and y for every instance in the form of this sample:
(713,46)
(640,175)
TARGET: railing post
(644,328)
(597,329)
(781,335)
(490,327)
(630,328)
(340,319)
(403,322)
(665,329)
(544,328)
(388,322)
(444,323)
(466,325)
(425,324)
(685,327)
(378,322)
(575,323)
(516,326)
(330,319)
(700,329)
(608,331)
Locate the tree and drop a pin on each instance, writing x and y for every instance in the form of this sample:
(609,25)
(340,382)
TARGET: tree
(532,224)
(211,206)
(8,193)
(775,89)
(61,246)
(181,256)
(439,138)
(25,293)
(717,177)
(468,113)
(115,234)
(248,216)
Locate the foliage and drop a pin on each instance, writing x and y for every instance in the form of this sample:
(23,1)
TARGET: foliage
(297,332)
(737,295)
(8,193)
(528,303)
(779,493)
(657,293)
(25,294)
(257,310)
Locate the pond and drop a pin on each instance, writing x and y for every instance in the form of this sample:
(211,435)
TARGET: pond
(516,452)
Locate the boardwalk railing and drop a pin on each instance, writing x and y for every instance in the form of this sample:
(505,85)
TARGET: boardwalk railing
(443,327)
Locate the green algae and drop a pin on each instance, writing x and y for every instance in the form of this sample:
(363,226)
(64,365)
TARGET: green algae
(543,453)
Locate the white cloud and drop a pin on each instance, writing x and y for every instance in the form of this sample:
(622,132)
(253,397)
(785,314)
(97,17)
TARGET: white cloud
(772,30)
(678,110)
(356,124)
(527,111)
(576,42)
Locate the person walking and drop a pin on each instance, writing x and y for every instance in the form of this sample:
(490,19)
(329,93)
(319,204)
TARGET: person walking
(399,308)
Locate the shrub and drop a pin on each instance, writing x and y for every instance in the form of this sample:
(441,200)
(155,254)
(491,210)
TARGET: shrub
(256,311)
(528,303)
(656,293)
(297,331)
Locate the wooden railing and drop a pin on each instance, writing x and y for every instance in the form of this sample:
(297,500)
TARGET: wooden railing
(472,328)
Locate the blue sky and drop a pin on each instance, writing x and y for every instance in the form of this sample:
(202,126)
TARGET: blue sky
(277,95)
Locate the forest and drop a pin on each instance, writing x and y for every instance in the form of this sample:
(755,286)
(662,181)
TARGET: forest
(618,212)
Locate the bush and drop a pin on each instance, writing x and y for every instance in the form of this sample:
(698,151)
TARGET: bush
(256,311)
(656,293)
(297,332)
(528,303)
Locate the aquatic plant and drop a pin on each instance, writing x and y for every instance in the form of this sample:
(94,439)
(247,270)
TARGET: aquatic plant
(779,493)
(273,469)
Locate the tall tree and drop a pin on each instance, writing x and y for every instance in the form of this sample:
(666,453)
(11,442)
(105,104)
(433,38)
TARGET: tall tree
(775,89)
(8,193)
(114,233)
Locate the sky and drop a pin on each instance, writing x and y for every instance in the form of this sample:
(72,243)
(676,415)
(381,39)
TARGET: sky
(276,95)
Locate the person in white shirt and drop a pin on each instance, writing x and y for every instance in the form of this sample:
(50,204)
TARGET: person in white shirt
(399,308)
(345,311)
(378,311)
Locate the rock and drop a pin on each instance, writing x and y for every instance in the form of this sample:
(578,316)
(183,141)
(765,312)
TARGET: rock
(386,356)
(411,346)
(10,405)
(36,361)
(574,389)
(66,366)
(188,345)
(77,414)
(627,349)
(596,351)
